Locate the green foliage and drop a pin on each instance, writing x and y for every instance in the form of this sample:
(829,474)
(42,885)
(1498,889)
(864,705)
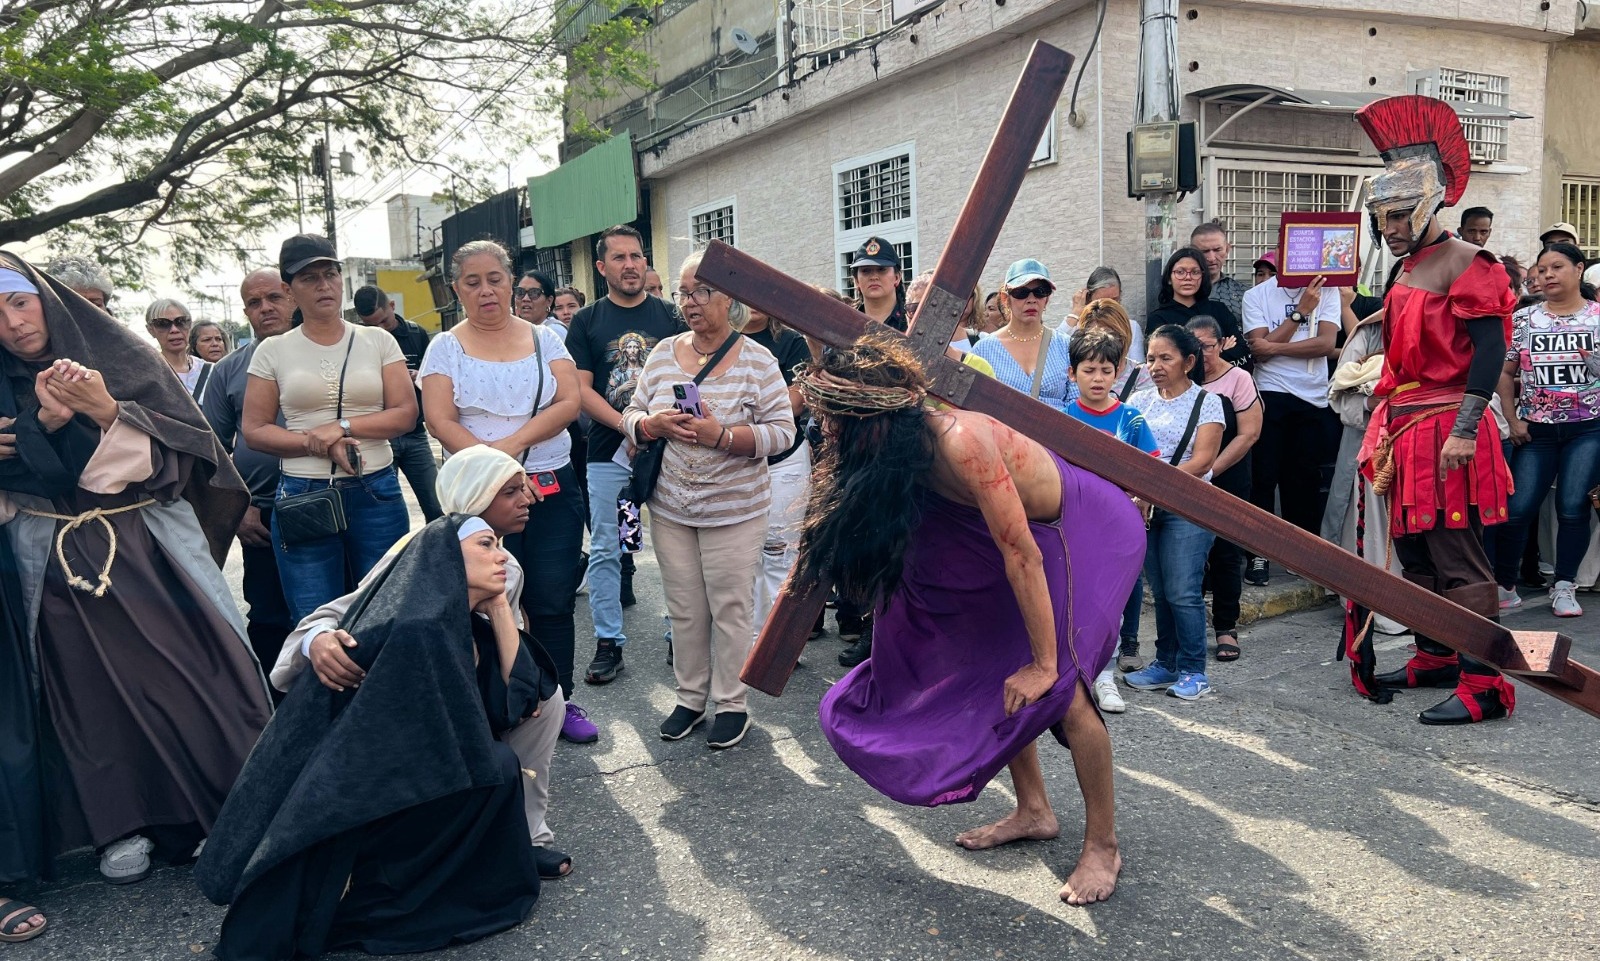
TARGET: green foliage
(125,122)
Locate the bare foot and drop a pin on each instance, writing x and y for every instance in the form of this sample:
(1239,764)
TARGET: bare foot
(1095,877)
(1015,826)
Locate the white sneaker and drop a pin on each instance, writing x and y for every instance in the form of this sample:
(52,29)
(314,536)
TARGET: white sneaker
(127,861)
(1105,695)
(1509,600)
(1562,601)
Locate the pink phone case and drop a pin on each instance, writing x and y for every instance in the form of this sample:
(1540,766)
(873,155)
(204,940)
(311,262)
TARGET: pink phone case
(686,397)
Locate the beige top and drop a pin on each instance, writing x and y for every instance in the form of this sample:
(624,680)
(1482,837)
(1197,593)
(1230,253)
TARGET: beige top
(700,487)
(307,375)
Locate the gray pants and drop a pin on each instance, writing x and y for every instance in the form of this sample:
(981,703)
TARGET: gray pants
(534,740)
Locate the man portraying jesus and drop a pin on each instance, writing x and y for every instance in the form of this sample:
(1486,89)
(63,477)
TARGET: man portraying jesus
(998,572)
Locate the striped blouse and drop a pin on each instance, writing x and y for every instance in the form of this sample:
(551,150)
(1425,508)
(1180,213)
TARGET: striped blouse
(701,487)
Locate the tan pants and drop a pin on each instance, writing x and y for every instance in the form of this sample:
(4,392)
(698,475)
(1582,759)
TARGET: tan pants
(534,741)
(708,575)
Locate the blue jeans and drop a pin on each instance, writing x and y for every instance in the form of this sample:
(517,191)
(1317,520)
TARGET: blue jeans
(1175,563)
(1130,617)
(316,572)
(606,483)
(1567,455)
(413,455)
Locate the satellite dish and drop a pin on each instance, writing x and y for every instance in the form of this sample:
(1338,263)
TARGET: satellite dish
(742,39)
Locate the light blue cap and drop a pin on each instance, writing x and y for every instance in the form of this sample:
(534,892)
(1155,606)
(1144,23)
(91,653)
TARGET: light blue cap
(1024,272)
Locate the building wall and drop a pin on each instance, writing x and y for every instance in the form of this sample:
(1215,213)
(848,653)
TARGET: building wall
(944,93)
(1572,138)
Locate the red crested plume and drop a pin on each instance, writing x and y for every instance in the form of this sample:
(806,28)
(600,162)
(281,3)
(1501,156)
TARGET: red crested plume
(1415,126)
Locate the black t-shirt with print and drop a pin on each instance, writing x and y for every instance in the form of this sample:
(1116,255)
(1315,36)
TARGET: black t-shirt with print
(612,342)
(791,352)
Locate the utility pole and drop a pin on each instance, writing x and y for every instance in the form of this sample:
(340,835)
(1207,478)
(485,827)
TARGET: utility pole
(327,183)
(1157,103)
(223,290)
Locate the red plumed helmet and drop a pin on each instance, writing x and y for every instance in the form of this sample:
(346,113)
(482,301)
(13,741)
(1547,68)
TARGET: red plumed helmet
(1404,128)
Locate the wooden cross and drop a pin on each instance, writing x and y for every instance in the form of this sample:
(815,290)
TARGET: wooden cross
(1539,659)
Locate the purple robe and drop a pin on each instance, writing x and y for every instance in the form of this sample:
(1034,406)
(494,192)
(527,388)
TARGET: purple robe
(923,720)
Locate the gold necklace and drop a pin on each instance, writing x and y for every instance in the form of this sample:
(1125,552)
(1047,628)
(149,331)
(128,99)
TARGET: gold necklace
(704,355)
(1021,340)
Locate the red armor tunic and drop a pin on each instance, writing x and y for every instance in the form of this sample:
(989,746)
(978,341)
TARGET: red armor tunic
(1427,353)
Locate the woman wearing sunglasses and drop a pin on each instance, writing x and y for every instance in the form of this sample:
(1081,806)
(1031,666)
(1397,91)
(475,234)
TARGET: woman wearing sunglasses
(1025,354)
(168,322)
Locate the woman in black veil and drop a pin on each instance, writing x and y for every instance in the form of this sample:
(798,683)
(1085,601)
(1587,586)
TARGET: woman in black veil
(387,817)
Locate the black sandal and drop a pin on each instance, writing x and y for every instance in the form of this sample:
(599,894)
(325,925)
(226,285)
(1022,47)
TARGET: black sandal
(553,865)
(1228,651)
(14,918)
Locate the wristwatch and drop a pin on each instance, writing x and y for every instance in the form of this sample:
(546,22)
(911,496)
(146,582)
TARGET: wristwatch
(344,425)
(1298,317)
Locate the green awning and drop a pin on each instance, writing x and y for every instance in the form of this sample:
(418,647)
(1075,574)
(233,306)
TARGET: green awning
(585,195)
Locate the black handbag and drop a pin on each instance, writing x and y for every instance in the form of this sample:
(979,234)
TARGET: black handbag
(647,461)
(316,514)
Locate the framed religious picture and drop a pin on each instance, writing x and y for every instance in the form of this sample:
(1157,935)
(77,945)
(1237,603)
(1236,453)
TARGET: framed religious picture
(1319,244)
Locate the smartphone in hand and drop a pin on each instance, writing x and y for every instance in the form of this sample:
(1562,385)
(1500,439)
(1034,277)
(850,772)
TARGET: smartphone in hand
(686,398)
(545,483)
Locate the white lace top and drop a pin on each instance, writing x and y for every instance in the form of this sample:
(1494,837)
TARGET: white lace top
(495,398)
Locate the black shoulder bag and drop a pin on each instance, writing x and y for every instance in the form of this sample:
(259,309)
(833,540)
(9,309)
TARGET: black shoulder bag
(316,514)
(647,462)
(1188,431)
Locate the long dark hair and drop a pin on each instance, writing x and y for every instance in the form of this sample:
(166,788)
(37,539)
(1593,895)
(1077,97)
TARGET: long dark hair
(1190,253)
(866,495)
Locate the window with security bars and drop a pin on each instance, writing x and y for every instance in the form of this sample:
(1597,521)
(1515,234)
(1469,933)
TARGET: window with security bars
(1487,137)
(712,223)
(1250,204)
(908,267)
(1580,207)
(555,263)
(875,193)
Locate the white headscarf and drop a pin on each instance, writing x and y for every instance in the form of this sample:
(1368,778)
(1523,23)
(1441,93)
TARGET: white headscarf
(470,479)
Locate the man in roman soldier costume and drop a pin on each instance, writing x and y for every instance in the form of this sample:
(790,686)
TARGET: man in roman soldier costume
(1432,446)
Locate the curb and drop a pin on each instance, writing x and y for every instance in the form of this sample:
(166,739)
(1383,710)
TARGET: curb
(1286,594)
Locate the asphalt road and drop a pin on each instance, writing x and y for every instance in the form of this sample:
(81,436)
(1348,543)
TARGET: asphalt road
(1281,817)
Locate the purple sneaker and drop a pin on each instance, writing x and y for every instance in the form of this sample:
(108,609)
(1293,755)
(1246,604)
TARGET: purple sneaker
(577,727)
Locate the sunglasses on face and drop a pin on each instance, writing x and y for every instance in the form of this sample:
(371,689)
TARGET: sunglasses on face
(527,292)
(164,323)
(1036,292)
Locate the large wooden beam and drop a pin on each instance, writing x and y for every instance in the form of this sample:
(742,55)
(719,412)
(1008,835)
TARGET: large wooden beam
(1538,658)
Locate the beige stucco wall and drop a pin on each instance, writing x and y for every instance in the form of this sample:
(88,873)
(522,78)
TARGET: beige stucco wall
(1572,137)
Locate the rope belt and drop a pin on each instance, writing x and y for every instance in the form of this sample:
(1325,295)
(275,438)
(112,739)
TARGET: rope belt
(1383,468)
(75,521)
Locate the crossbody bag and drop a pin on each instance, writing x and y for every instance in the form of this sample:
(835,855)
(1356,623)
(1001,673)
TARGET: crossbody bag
(1038,364)
(314,515)
(1147,508)
(647,462)
(538,390)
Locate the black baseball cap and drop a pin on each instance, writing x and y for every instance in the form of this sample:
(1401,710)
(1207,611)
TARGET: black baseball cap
(876,252)
(303,250)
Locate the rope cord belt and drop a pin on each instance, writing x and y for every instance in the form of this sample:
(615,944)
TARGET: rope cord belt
(1383,467)
(74,521)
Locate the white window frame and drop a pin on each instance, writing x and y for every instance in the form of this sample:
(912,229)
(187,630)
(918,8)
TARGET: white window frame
(1574,213)
(899,231)
(1046,152)
(732,205)
(1374,259)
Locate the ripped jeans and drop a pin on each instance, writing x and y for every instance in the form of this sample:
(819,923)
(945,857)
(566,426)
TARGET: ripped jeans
(791,486)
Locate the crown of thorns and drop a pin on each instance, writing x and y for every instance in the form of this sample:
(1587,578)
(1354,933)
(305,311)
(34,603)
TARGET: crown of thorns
(829,394)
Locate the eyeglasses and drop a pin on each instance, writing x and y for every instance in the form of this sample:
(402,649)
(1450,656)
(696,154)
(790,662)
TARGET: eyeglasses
(526,293)
(165,323)
(700,295)
(1187,275)
(1207,348)
(1036,292)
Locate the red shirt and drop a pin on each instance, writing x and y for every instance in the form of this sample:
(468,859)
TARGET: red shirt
(1424,324)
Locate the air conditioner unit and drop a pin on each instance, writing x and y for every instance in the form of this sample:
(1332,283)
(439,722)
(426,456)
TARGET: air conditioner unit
(1487,136)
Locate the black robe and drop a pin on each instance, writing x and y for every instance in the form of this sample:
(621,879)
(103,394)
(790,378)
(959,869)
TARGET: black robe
(46,465)
(385,817)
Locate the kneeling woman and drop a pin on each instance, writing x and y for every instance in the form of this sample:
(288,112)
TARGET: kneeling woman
(387,817)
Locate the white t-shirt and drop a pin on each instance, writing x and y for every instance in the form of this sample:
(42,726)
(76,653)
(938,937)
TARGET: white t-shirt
(494,398)
(1266,307)
(1169,418)
(307,374)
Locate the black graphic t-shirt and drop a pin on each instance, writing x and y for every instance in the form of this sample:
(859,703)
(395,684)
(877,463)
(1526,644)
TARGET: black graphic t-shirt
(612,343)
